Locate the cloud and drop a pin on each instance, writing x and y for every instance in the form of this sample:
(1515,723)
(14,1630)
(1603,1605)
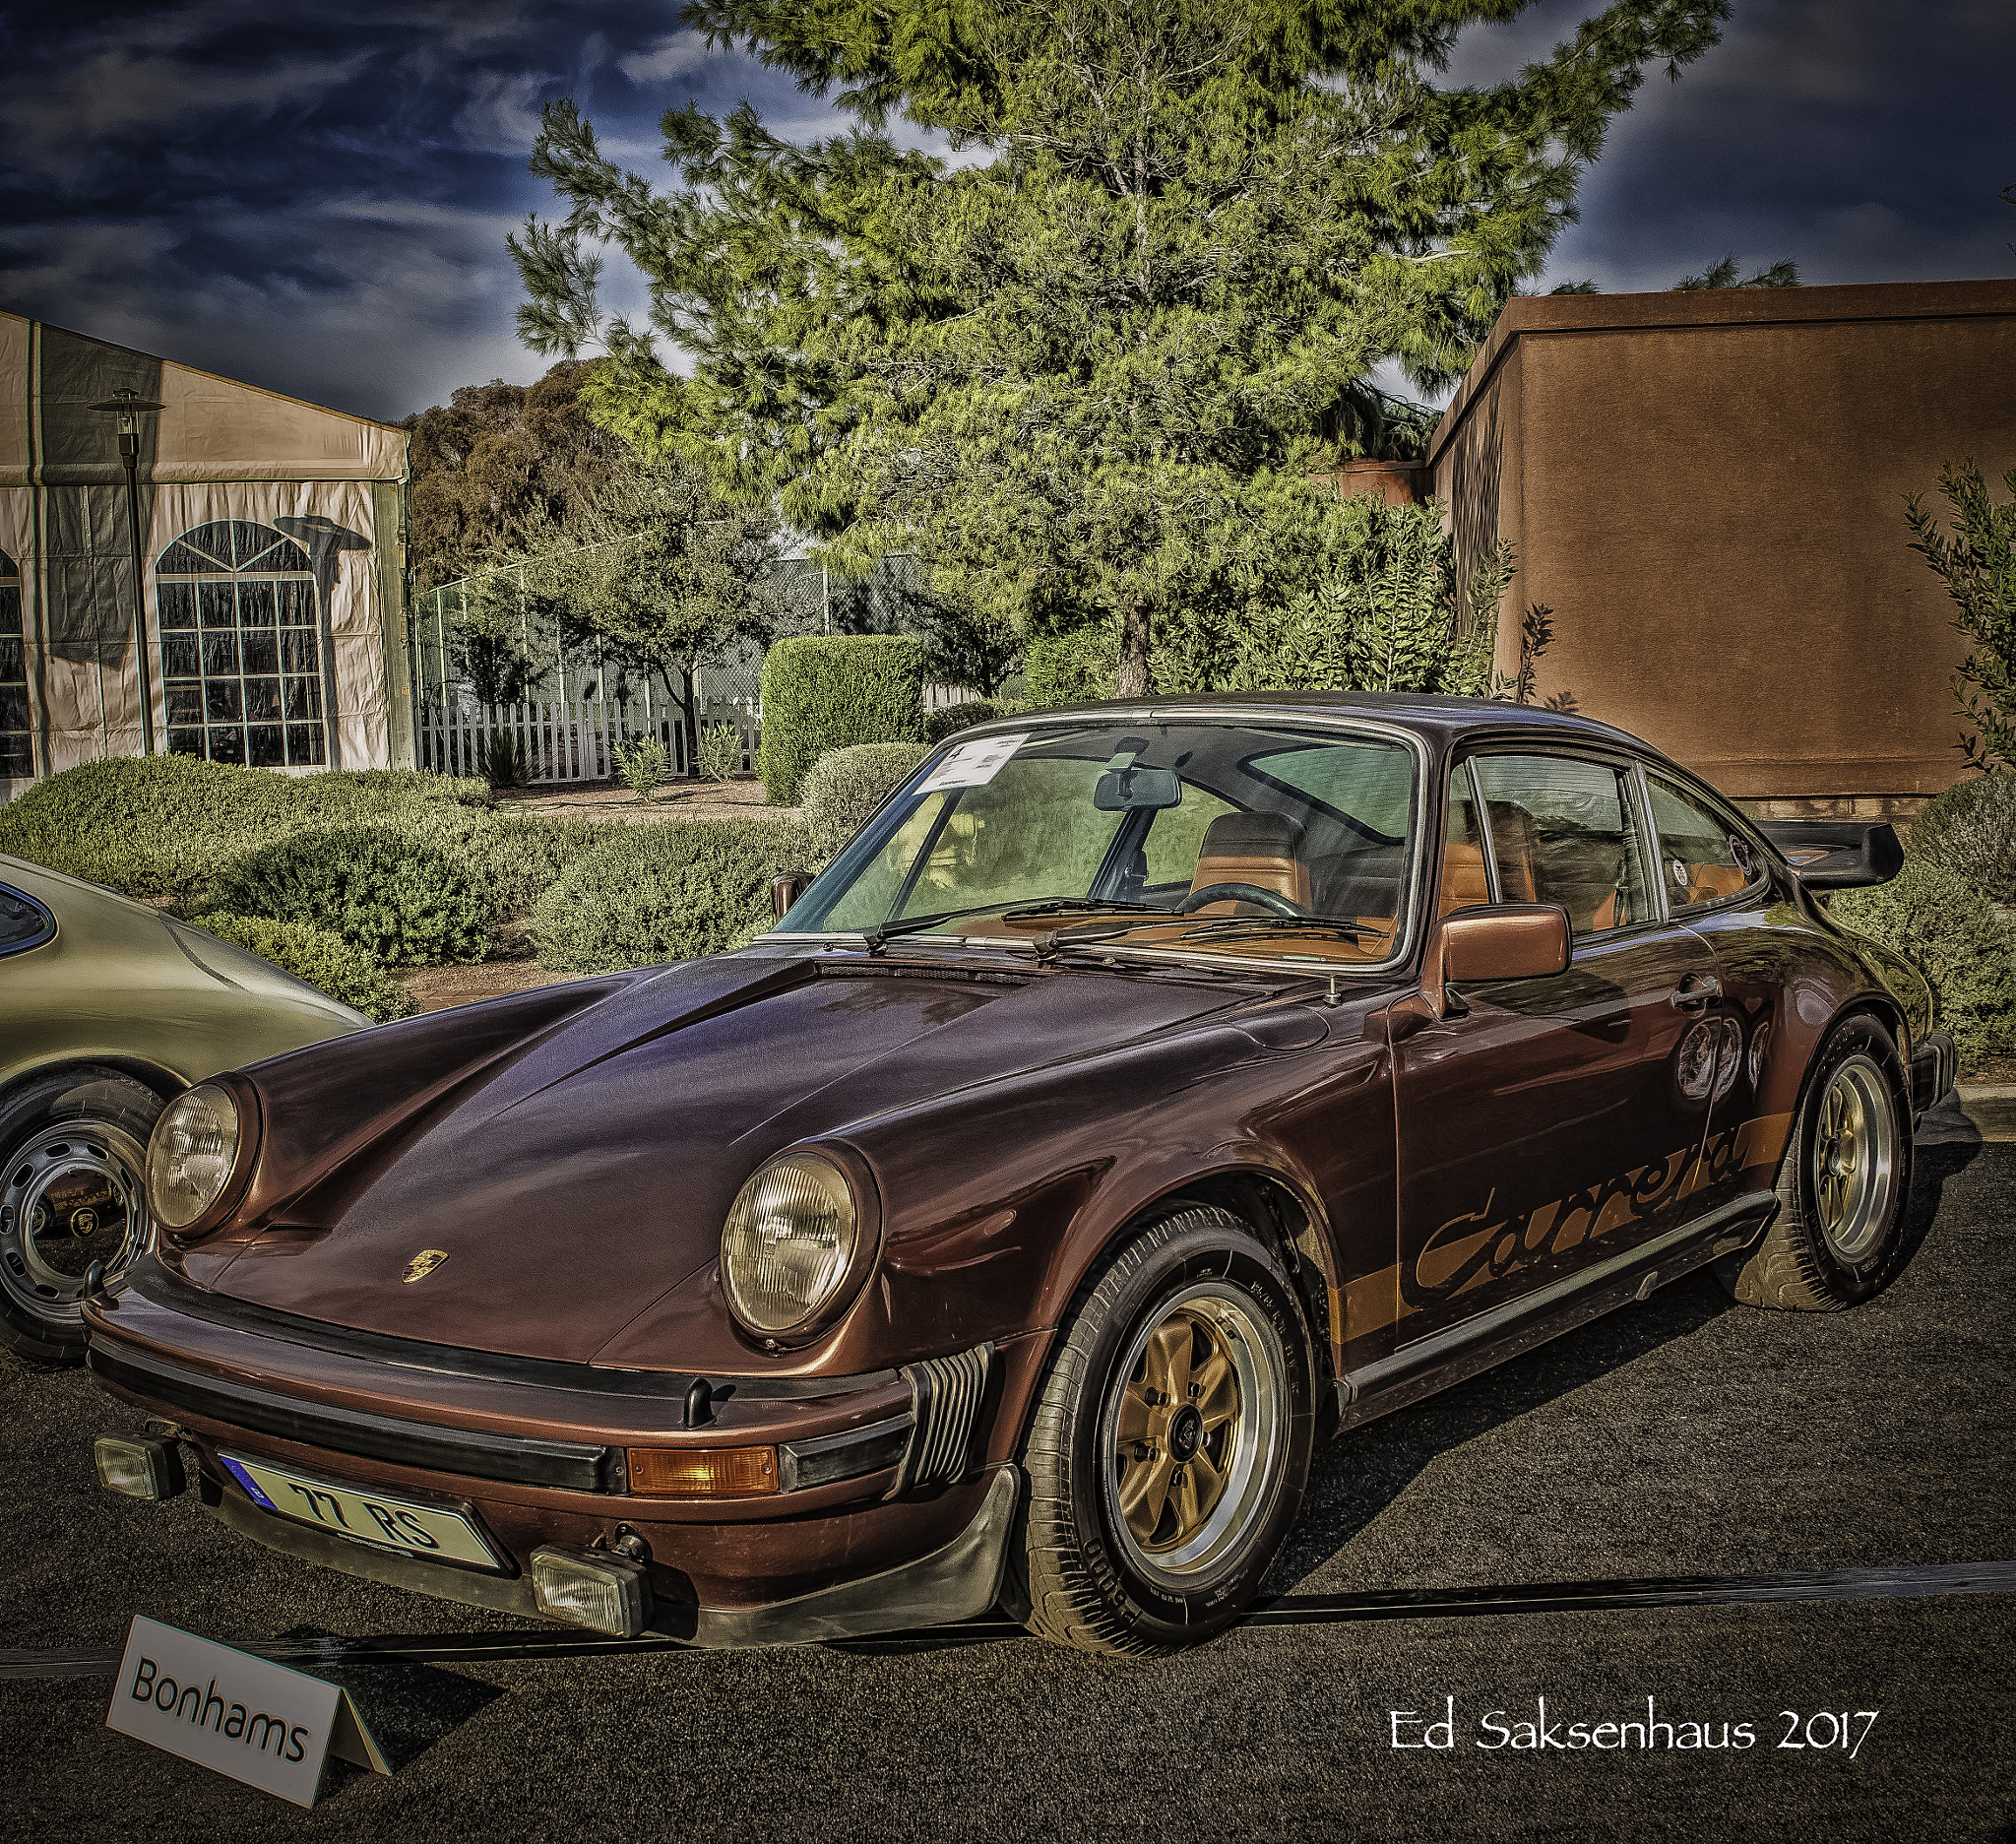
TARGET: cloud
(502,115)
(671,57)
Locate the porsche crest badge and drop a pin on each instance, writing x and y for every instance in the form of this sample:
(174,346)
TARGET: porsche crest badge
(423,1264)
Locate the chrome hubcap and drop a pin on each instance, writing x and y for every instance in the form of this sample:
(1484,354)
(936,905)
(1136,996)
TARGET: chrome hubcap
(1855,1158)
(67,1198)
(1193,1432)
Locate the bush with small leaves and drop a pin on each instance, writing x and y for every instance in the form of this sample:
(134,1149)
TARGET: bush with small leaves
(1971,828)
(324,960)
(845,786)
(403,898)
(954,718)
(164,825)
(1937,918)
(670,892)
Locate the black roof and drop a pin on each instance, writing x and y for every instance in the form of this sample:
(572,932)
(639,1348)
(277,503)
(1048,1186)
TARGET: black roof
(1427,710)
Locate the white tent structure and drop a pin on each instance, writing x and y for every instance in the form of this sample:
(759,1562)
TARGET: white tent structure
(270,629)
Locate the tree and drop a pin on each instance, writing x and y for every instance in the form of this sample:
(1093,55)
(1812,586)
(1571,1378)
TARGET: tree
(1781,275)
(1083,373)
(490,651)
(498,462)
(667,573)
(1978,565)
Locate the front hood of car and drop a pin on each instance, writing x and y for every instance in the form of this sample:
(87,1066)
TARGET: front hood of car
(544,1201)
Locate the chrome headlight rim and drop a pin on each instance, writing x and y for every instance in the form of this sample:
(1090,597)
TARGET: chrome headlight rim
(839,1298)
(244,1103)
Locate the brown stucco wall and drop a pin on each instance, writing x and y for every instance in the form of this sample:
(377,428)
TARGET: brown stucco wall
(1708,491)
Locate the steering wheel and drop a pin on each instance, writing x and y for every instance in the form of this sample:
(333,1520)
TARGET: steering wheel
(1240,893)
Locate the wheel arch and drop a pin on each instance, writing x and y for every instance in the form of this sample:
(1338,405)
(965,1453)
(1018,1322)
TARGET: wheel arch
(162,1081)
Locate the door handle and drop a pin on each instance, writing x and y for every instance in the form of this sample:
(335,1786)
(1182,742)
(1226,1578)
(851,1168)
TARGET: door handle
(1695,989)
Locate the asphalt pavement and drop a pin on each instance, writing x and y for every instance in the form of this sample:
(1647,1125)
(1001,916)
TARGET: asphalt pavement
(1684,1437)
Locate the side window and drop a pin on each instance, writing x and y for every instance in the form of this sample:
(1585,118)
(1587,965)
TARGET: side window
(1561,831)
(1465,881)
(1702,857)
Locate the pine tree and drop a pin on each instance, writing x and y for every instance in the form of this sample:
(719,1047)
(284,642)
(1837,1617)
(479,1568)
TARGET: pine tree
(1085,374)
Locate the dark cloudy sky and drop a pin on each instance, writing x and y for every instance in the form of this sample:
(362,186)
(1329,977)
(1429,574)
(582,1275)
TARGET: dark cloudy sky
(313,194)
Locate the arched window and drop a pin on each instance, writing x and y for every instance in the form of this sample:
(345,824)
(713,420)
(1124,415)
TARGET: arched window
(17,745)
(241,655)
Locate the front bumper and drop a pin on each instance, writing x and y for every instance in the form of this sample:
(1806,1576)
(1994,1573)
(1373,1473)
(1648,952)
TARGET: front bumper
(884,1516)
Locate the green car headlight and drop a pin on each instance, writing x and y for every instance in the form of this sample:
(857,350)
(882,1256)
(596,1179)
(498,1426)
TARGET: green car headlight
(789,1242)
(192,1156)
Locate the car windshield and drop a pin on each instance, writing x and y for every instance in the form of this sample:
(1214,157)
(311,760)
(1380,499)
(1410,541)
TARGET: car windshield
(1219,837)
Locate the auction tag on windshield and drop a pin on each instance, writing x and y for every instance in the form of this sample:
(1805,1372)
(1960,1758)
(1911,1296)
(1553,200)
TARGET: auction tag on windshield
(973,764)
(243,1716)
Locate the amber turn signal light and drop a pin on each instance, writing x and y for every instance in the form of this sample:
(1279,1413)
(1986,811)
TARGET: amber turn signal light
(702,1471)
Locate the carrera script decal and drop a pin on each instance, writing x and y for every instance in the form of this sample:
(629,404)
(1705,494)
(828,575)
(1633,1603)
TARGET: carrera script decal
(1470,1251)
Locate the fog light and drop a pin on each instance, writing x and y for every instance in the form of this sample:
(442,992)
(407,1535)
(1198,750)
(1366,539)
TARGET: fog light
(591,1588)
(702,1471)
(138,1469)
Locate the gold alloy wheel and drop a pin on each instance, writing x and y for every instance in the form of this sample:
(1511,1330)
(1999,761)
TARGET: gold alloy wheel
(1853,1159)
(1193,1430)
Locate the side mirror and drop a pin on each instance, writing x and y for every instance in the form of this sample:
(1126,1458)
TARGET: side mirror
(1837,854)
(1508,942)
(786,889)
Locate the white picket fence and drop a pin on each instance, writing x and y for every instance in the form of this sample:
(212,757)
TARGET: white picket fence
(574,740)
(566,742)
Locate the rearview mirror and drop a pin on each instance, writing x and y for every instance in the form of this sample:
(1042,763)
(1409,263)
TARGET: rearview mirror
(1129,789)
(784,890)
(1506,941)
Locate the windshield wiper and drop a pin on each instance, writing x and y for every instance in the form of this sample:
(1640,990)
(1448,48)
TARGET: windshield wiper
(1090,905)
(1013,907)
(1285,926)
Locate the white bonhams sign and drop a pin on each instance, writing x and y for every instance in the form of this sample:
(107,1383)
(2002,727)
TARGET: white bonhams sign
(258,1722)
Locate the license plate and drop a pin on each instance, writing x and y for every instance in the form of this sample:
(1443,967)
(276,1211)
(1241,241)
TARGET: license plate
(431,1532)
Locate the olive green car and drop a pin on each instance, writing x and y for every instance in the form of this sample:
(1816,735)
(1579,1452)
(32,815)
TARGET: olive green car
(109,1009)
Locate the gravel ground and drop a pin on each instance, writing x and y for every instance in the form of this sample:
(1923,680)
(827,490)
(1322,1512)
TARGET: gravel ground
(1683,1437)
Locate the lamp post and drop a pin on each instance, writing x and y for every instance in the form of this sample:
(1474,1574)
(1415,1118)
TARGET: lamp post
(129,406)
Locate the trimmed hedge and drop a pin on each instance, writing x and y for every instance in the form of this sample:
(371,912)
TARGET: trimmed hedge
(164,825)
(322,959)
(958,717)
(824,693)
(665,892)
(1071,669)
(406,901)
(845,786)
(1971,828)
(1940,920)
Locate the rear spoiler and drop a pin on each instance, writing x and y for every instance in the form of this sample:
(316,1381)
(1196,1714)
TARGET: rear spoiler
(1837,854)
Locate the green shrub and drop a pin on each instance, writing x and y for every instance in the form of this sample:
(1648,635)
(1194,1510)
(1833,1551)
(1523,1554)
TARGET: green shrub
(504,763)
(642,764)
(845,786)
(1071,669)
(958,717)
(322,959)
(164,825)
(829,692)
(383,888)
(721,751)
(518,856)
(1940,920)
(1971,828)
(658,893)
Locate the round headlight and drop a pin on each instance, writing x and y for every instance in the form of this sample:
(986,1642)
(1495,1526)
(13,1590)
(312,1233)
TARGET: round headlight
(189,1160)
(788,1243)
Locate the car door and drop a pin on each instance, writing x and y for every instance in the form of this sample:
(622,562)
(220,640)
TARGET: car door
(1547,1125)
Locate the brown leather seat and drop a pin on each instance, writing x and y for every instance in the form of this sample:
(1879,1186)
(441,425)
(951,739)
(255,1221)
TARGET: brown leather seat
(1260,848)
(1706,882)
(1464,883)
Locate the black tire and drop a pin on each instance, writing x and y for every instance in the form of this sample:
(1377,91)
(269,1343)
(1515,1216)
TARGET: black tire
(1839,1236)
(73,1191)
(1103,1578)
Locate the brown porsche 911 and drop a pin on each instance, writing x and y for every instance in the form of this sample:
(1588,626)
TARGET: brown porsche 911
(1143,1091)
